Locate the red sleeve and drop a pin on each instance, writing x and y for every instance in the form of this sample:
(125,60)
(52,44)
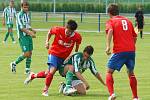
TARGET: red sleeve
(53,30)
(108,26)
(79,39)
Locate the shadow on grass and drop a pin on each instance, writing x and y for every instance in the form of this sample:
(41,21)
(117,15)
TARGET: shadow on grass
(87,95)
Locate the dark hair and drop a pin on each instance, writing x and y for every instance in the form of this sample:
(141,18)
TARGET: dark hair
(113,9)
(72,25)
(24,4)
(89,49)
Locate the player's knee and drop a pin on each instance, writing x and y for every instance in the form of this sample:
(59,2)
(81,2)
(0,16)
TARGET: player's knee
(27,54)
(110,71)
(71,68)
(52,70)
(10,30)
(130,72)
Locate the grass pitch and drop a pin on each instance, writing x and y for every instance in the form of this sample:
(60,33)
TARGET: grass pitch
(12,87)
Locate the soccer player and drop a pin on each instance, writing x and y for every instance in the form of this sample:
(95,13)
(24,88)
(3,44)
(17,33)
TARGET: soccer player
(139,18)
(124,39)
(25,35)
(65,39)
(8,18)
(73,68)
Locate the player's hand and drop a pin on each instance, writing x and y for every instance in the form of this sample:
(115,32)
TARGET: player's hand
(108,52)
(34,31)
(47,45)
(32,34)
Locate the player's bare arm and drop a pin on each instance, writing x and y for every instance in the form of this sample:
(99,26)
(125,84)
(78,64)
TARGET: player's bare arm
(3,21)
(77,47)
(98,76)
(108,42)
(31,33)
(134,32)
(80,77)
(47,41)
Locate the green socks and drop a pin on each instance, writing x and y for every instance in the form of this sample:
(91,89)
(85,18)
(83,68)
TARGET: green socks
(19,59)
(12,37)
(69,77)
(6,36)
(28,63)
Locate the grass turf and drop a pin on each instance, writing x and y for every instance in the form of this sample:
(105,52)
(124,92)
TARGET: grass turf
(12,87)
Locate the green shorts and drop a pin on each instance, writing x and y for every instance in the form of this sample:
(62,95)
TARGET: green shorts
(10,26)
(26,43)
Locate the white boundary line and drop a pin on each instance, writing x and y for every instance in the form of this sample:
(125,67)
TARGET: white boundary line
(87,31)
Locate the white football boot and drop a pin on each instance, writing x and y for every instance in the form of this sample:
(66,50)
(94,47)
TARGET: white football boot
(28,79)
(112,97)
(69,91)
(61,87)
(13,67)
(45,93)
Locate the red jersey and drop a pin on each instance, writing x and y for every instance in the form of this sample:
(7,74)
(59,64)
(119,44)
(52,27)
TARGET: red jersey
(123,34)
(62,45)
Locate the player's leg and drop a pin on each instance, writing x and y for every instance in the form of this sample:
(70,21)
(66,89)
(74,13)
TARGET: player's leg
(48,80)
(54,62)
(140,28)
(69,76)
(110,83)
(115,62)
(133,84)
(132,78)
(6,35)
(25,49)
(141,33)
(29,56)
(69,79)
(43,74)
(10,30)
(28,61)
(32,76)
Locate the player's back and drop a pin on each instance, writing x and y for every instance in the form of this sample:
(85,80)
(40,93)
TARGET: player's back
(123,34)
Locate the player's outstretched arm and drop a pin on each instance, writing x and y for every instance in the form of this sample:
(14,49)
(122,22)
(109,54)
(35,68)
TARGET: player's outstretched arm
(80,77)
(98,76)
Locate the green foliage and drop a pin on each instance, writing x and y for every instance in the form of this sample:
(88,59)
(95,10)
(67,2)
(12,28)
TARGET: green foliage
(80,7)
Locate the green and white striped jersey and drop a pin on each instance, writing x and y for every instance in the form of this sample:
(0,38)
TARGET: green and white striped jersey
(9,14)
(81,65)
(23,21)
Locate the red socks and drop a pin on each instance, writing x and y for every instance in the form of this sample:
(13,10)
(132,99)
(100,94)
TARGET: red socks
(48,80)
(110,83)
(39,75)
(133,85)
